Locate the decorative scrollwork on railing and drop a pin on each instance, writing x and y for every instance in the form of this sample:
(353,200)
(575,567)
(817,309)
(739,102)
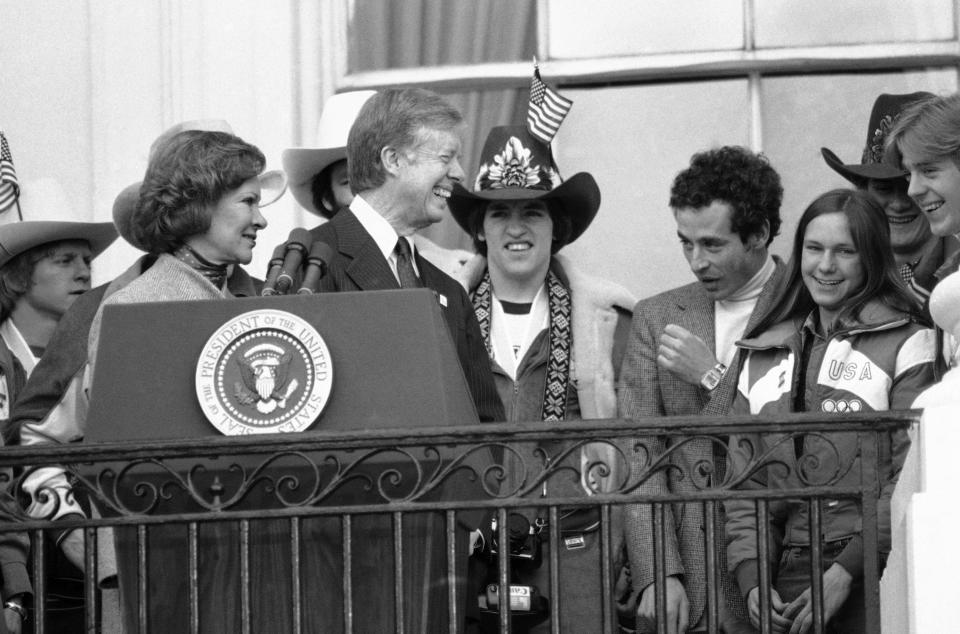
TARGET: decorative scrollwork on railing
(476,470)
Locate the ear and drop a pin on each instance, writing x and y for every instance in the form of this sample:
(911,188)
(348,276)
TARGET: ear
(759,239)
(390,158)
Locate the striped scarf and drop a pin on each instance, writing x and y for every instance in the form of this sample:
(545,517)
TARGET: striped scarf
(558,365)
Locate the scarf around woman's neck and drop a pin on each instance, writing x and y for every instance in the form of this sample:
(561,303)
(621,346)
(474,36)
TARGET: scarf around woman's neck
(216,273)
(558,365)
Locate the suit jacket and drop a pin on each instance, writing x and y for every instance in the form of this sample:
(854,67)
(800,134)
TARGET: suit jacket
(645,390)
(359,265)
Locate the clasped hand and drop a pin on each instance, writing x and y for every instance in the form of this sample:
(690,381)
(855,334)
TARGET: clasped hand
(685,354)
(797,616)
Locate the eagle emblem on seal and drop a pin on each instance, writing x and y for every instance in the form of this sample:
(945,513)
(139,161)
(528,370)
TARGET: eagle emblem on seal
(265,382)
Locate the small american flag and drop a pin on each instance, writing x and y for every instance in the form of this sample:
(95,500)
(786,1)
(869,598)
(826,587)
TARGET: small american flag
(9,187)
(546,110)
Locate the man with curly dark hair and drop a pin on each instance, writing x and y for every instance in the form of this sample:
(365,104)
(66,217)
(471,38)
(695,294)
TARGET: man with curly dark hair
(727,208)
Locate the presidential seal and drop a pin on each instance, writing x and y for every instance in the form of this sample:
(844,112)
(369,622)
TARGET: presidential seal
(262,372)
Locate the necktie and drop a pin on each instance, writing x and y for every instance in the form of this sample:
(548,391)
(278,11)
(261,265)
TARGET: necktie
(408,276)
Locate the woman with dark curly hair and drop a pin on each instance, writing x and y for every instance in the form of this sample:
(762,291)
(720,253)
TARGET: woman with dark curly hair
(199,212)
(843,335)
(199,201)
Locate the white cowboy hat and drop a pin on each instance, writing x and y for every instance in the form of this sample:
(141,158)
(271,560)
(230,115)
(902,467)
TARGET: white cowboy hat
(17,237)
(273,183)
(303,163)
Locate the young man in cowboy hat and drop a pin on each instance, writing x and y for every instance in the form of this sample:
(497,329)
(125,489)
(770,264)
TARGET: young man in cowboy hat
(533,308)
(727,208)
(44,268)
(915,248)
(924,141)
(318,175)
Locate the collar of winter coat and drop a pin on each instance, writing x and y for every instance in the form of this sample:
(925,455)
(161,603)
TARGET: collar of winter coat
(873,316)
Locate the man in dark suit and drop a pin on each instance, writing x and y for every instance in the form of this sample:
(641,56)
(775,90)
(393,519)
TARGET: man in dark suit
(403,153)
(727,208)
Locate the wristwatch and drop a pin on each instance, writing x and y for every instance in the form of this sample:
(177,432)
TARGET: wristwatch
(711,379)
(14,603)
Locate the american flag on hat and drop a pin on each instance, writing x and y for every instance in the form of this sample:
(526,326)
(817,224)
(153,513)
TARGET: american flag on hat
(547,108)
(9,186)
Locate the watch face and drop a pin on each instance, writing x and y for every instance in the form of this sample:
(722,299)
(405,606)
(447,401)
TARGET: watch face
(710,379)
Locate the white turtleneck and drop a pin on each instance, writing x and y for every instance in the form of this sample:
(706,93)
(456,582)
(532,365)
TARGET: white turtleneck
(732,314)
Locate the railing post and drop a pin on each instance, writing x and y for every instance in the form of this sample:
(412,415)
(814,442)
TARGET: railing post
(816,563)
(870,483)
(346,523)
(606,570)
(452,556)
(503,575)
(39,581)
(553,519)
(660,565)
(713,579)
(763,558)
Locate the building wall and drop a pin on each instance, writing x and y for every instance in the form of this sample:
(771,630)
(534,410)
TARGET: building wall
(86,85)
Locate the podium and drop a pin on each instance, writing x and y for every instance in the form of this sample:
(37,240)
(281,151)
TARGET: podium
(393,365)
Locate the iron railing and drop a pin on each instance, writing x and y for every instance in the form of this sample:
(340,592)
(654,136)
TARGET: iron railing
(384,486)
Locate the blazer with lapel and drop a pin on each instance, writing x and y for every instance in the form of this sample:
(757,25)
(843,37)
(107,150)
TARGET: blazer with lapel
(358,265)
(645,389)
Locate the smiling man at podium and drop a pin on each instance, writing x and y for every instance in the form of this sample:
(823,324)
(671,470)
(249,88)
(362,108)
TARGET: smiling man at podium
(403,153)
(404,157)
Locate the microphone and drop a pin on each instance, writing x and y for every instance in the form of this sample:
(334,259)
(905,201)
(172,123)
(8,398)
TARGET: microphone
(320,254)
(273,271)
(298,243)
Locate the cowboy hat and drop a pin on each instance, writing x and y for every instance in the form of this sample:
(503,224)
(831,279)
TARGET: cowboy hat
(515,165)
(273,183)
(886,111)
(303,163)
(17,237)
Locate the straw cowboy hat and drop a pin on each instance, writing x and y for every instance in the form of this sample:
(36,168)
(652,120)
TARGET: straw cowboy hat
(273,183)
(47,198)
(515,165)
(303,163)
(886,111)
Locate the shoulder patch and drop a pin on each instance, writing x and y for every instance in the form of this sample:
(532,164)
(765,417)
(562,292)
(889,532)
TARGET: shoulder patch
(919,349)
(768,386)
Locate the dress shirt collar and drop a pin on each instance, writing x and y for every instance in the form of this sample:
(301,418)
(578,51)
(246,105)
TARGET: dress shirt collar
(377,226)
(382,232)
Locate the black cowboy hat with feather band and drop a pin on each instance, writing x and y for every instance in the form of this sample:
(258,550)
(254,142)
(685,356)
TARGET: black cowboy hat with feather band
(515,165)
(886,110)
